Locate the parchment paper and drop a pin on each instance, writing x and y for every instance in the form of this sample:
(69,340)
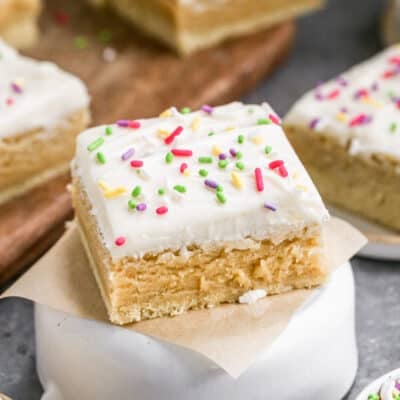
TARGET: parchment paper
(231,336)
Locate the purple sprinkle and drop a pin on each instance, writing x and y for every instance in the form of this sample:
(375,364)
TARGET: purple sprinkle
(128,154)
(319,96)
(375,86)
(222,156)
(141,207)
(123,123)
(207,109)
(344,110)
(233,152)
(367,119)
(313,123)
(269,207)
(342,81)
(16,88)
(397,385)
(211,184)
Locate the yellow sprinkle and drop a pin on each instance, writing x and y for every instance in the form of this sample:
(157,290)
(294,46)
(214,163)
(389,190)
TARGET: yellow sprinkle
(371,102)
(302,187)
(216,150)
(163,133)
(103,186)
(230,128)
(236,180)
(113,193)
(186,172)
(195,124)
(257,139)
(295,175)
(167,113)
(342,117)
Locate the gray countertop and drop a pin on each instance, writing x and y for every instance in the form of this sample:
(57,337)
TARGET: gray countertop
(327,43)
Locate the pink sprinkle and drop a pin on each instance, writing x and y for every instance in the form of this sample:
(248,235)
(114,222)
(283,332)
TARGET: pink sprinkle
(394,60)
(332,95)
(136,163)
(207,109)
(169,139)
(275,164)
(134,124)
(358,120)
(9,101)
(259,179)
(141,207)
(120,241)
(162,210)
(275,119)
(283,171)
(182,153)
(183,167)
(389,74)
(128,154)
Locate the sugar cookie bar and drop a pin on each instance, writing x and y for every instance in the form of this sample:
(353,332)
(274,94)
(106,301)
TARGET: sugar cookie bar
(42,109)
(194,209)
(18,21)
(347,133)
(187,26)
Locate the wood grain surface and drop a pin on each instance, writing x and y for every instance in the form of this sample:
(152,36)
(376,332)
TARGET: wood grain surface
(144,79)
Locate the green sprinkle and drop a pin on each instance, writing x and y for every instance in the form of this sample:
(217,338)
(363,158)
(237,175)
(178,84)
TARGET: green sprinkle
(239,165)
(180,188)
(203,172)
(169,158)
(105,36)
(268,149)
(221,198)
(131,204)
(95,144)
(137,190)
(161,191)
(108,130)
(263,121)
(373,397)
(186,110)
(393,127)
(205,160)
(222,163)
(240,139)
(219,188)
(101,158)
(211,134)
(81,42)
(239,155)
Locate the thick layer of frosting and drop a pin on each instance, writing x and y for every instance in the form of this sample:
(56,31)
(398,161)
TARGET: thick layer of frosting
(182,205)
(360,108)
(35,94)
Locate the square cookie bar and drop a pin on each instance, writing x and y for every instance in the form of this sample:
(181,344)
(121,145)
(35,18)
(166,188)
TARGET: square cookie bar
(347,133)
(18,21)
(42,109)
(187,26)
(191,210)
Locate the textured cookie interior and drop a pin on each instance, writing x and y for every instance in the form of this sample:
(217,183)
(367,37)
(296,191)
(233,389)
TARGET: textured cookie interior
(368,185)
(30,158)
(171,282)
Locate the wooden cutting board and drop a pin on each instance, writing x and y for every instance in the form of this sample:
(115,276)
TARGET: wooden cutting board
(144,79)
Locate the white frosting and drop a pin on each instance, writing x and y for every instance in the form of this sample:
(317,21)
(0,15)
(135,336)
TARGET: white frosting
(371,89)
(196,216)
(35,94)
(252,296)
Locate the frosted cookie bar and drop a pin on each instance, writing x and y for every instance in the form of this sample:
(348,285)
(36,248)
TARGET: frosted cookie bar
(18,21)
(194,209)
(347,133)
(42,109)
(189,25)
